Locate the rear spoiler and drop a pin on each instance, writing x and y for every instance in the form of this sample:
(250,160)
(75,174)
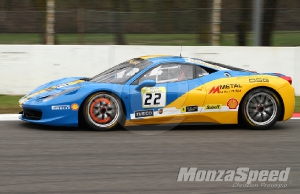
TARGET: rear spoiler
(287,78)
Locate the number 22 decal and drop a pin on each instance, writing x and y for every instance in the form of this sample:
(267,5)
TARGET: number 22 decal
(154,97)
(149,97)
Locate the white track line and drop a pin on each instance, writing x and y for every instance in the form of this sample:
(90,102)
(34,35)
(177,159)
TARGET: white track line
(15,117)
(9,117)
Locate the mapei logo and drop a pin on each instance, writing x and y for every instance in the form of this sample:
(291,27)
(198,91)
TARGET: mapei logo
(227,88)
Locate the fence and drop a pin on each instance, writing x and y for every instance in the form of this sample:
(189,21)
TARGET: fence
(143,17)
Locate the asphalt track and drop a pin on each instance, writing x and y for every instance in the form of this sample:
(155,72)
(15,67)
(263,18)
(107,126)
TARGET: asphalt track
(40,159)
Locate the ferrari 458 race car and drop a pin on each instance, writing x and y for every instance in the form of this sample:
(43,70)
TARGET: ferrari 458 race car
(163,90)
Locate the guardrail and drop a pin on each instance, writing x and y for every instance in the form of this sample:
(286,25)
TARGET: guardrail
(24,67)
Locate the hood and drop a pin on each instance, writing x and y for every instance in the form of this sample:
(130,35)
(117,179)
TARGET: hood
(66,86)
(54,88)
(59,83)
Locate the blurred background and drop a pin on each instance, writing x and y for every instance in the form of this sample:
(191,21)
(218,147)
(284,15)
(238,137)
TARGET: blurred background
(151,22)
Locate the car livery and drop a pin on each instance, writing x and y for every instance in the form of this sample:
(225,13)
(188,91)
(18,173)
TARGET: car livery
(163,90)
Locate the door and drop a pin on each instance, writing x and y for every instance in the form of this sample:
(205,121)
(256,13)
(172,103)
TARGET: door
(169,100)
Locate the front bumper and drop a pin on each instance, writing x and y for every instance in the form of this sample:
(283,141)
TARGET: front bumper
(46,115)
(287,94)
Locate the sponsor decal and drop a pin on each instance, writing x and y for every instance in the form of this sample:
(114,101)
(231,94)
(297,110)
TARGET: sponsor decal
(143,113)
(227,88)
(134,61)
(75,106)
(65,84)
(232,103)
(153,97)
(61,107)
(253,80)
(241,176)
(167,111)
(212,106)
(189,109)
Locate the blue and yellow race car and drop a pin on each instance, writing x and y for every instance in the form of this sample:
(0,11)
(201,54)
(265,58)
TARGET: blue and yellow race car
(163,90)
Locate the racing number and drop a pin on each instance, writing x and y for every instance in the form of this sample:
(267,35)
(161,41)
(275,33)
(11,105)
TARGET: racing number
(158,96)
(153,97)
(149,97)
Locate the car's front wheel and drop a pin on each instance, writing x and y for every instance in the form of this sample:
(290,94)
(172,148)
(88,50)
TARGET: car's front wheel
(260,108)
(103,111)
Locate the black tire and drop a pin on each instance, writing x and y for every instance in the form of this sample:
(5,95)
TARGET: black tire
(260,109)
(103,111)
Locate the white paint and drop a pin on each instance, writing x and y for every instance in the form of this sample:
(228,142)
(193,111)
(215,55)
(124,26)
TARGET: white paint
(9,117)
(24,67)
(15,117)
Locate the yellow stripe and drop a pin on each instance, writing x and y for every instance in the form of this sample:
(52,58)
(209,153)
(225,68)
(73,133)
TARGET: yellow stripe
(45,90)
(153,56)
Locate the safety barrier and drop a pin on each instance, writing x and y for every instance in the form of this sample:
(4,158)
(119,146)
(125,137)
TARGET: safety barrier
(24,67)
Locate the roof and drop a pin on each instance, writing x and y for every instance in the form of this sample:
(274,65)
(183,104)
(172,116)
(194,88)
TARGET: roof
(154,56)
(210,64)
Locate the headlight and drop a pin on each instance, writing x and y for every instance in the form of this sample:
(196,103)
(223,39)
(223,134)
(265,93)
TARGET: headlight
(61,93)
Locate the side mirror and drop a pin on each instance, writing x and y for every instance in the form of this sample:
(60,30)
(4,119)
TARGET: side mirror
(146,83)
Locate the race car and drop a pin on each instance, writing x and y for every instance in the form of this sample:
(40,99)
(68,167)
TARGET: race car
(163,90)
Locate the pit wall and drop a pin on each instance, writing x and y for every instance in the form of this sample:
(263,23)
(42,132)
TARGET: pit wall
(24,67)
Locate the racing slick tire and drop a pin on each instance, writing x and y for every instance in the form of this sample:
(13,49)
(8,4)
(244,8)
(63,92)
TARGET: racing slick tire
(260,109)
(103,111)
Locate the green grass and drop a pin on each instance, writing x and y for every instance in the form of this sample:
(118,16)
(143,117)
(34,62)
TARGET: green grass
(297,105)
(9,104)
(284,38)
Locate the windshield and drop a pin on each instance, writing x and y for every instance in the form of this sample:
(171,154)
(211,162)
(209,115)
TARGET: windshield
(121,73)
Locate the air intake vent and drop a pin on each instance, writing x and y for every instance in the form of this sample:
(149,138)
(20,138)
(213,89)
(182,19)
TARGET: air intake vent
(32,114)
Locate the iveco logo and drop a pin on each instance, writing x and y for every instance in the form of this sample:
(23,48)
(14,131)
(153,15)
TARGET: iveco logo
(143,113)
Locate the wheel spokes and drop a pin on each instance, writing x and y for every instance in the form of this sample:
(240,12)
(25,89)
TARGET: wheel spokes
(103,110)
(261,108)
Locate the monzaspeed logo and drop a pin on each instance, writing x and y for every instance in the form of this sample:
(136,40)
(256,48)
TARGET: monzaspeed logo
(241,174)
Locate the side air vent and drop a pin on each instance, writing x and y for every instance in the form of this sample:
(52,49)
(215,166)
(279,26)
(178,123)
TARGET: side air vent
(227,74)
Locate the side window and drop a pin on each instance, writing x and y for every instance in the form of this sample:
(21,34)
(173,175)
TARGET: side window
(151,74)
(200,72)
(167,73)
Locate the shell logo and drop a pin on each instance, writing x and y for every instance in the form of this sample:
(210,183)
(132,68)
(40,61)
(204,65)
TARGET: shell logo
(232,103)
(74,107)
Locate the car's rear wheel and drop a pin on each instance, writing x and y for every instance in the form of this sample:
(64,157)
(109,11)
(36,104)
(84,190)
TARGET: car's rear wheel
(260,108)
(103,111)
